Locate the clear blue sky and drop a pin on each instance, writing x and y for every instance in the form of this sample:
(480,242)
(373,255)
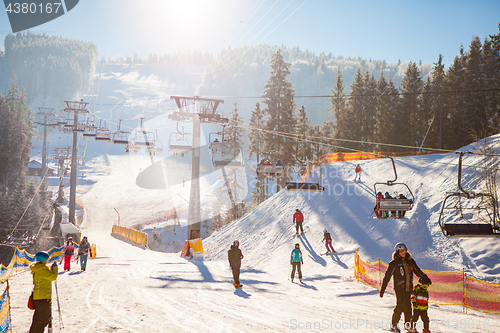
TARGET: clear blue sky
(387,29)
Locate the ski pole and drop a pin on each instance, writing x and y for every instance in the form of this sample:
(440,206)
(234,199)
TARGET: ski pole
(61,326)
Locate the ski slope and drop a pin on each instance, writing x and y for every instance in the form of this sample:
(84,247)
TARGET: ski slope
(132,289)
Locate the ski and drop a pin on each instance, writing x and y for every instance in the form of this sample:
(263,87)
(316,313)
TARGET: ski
(328,253)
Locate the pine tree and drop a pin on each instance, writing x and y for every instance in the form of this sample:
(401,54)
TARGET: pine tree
(302,129)
(279,112)
(388,107)
(339,108)
(410,118)
(457,132)
(439,105)
(255,135)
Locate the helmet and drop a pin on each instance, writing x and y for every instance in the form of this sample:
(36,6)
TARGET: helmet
(399,246)
(386,194)
(236,243)
(84,237)
(324,230)
(425,280)
(70,238)
(41,256)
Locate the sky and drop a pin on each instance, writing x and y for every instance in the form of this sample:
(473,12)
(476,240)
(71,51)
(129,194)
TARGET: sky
(392,30)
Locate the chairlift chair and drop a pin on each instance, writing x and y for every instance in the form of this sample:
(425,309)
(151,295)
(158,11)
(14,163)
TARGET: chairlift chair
(230,158)
(156,146)
(102,133)
(120,137)
(481,224)
(180,143)
(395,204)
(306,187)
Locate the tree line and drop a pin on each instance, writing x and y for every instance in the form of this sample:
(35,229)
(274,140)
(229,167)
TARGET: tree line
(51,69)
(23,204)
(448,110)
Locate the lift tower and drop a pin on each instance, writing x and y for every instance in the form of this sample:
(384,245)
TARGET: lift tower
(75,108)
(198,110)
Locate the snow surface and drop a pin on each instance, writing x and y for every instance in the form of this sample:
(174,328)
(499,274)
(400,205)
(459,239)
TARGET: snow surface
(132,289)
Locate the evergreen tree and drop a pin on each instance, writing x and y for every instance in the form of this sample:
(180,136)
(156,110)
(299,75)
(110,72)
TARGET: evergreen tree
(304,148)
(439,105)
(255,135)
(279,112)
(387,111)
(339,108)
(458,135)
(410,119)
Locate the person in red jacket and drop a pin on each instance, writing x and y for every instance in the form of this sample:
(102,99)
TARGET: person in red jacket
(298,218)
(68,251)
(358,173)
(378,213)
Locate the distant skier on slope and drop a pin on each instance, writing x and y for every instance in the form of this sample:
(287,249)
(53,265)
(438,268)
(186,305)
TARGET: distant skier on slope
(234,256)
(401,268)
(328,241)
(296,262)
(298,218)
(358,173)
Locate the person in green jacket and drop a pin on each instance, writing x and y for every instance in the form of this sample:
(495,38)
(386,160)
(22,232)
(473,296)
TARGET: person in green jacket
(43,275)
(296,262)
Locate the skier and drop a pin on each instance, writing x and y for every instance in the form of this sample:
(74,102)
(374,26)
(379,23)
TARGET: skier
(401,268)
(296,262)
(298,218)
(420,300)
(83,252)
(358,173)
(328,241)
(43,275)
(378,213)
(68,251)
(234,256)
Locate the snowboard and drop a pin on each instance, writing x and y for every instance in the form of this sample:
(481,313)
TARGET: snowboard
(238,286)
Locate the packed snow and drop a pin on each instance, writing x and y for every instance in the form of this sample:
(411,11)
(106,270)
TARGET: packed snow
(128,288)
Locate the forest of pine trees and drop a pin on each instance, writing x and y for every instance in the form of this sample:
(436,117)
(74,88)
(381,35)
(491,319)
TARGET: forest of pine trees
(17,209)
(447,109)
(50,69)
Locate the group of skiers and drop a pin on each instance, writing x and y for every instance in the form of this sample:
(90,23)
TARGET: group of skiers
(43,275)
(385,214)
(234,254)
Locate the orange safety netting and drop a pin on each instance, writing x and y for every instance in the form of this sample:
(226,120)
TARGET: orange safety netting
(359,156)
(448,287)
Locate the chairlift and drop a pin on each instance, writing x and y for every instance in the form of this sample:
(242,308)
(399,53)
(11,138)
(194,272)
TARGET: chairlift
(90,127)
(306,187)
(120,137)
(180,142)
(271,168)
(60,119)
(480,218)
(155,147)
(102,133)
(394,204)
(219,144)
(143,138)
(131,147)
(229,158)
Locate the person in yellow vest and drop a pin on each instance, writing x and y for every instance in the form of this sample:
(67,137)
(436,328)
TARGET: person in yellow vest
(43,275)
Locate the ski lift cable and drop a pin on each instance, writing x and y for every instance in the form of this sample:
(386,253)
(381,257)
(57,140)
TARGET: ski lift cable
(29,204)
(289,135)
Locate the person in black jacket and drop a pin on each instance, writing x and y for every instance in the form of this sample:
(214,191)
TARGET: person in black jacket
(234,256)
(401,268)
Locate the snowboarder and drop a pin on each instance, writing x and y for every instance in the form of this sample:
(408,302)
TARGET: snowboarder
(296,262)
(68,251)
(83,252)
(420,301)
(328,241)
(378,213)
(298,218)
(401,268)
(43,275)
(234,256)
(358,173)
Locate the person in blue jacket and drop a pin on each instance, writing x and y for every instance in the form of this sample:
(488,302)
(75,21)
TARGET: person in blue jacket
(296,262)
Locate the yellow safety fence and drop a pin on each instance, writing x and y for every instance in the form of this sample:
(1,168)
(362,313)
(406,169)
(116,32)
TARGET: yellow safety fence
(135,236)
(20,262)
(195,244)
(448,287)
